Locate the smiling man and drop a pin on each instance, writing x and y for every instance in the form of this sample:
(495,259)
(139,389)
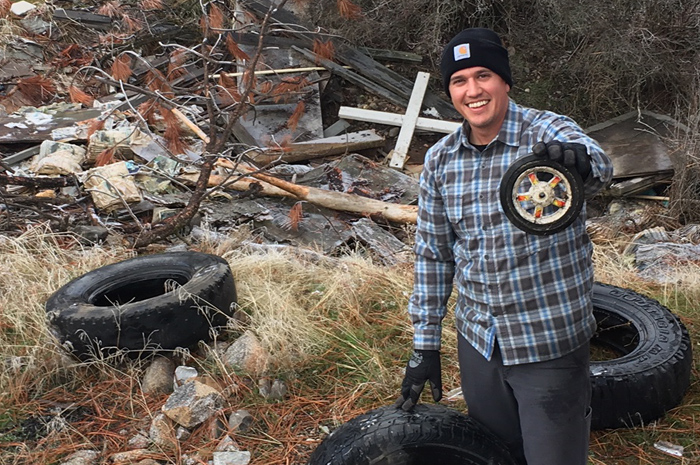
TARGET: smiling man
(523,310)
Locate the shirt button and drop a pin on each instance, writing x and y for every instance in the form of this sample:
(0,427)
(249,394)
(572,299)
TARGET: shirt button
(481,196)
(486,257)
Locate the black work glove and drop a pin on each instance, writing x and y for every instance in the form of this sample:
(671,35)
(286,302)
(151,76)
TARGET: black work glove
(570,154)
(423,366)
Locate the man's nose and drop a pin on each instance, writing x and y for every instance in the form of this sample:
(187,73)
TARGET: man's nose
(473,88)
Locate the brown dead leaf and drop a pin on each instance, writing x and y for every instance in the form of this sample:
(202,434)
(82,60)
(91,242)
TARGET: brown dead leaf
(288,86)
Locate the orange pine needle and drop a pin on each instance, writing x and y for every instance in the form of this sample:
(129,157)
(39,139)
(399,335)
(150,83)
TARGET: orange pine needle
(106,157)
(296,214)
(94,125)
(121,68)
(147,110)
(130,23)
(349,10)
(287,86)
(216,17)
(112,9)
(150,5)
(156,82)
(235,50)
(265,87)
(229,91)
(78,96)
(5,6)
(323,50)
(298,112)
(173,132)
(37,89)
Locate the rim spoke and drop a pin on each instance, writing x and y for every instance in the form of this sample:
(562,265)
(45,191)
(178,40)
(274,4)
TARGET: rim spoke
(538,212)
(559,203)
(554,181)
(533,178)
(523,197)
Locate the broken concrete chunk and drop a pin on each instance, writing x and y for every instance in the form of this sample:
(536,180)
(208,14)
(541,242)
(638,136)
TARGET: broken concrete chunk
(111,186)
(21,8)
(248,354)
(192,404)
(231,458)
(158,376)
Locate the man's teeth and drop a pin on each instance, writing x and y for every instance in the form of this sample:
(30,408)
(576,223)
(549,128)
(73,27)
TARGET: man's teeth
(477,104)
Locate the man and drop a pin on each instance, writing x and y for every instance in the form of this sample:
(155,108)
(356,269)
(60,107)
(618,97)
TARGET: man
(523,311)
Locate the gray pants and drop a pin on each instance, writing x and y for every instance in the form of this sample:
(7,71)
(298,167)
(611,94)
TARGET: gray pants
(541,410)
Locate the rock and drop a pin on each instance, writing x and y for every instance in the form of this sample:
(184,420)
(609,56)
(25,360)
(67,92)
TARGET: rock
(91,234)
(232,458)
(139,441)
(81,457)
(192,403)
(158,377)
(184,373)
(247,354)
(227,444)
(240,421)
(278,390)
(264,387)
(129,457)
(162,432)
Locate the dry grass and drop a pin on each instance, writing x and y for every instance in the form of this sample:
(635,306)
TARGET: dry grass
(337,328)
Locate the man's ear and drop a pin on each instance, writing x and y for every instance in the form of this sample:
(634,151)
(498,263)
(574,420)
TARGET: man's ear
(508,90)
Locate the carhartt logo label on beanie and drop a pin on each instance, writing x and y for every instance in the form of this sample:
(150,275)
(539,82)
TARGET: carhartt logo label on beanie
(462,52)
(473,47)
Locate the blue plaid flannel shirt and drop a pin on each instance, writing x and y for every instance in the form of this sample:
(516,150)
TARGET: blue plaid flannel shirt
(530,293)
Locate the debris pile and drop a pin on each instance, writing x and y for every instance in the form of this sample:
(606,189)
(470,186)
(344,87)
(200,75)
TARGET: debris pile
(147,130)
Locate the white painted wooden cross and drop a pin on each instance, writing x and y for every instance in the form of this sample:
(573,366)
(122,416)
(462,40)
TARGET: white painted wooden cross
(409,121)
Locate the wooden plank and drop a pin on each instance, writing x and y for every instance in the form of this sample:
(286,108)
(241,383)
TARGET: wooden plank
(325,147)
(354,78)
(395,119)
(371,70)
(398,155)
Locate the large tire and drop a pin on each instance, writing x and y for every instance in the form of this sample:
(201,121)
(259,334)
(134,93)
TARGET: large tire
(428,434)
(652,373)
(144,304)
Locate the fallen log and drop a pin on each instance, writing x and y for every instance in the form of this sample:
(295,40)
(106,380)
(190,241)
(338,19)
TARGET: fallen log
(341,201)
(37,182)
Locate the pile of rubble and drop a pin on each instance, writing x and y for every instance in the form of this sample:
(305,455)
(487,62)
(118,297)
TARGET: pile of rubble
(150,124)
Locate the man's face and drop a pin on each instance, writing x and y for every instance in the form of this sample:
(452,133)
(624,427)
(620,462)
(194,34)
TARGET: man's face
(481,96)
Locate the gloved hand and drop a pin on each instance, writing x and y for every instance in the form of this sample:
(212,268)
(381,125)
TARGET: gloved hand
(570,154)
(423,366)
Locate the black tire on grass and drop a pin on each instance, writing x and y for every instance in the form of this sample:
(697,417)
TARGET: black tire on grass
(429,434)
(652,373)
(144,304)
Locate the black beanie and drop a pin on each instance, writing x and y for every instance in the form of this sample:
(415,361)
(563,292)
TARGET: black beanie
(475,47)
